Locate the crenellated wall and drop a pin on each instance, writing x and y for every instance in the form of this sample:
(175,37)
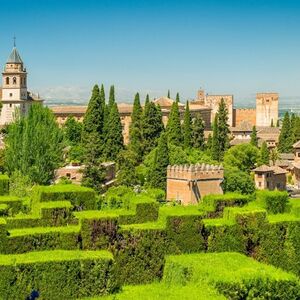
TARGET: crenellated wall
(189,183)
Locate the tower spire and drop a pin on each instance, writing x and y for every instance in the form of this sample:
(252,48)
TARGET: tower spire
(14,41)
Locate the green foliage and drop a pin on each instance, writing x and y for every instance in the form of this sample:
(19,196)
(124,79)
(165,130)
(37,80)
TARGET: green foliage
(20,185)
(117,197)
(275,201)
(173,128)
(239,181)
(286,135)
(76,153)
(93,177)
(215,147)
(34,145)
(243,156)
(177,98)
(114,139)
(198,140)
(72,130)
(4,184)
(254,139)
(264,158)
(187,127)
(157,177)
(152,126)
(126,164)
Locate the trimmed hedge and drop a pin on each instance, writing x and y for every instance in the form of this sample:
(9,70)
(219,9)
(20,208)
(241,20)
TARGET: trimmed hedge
(57,275)
(4,184)
(275,202)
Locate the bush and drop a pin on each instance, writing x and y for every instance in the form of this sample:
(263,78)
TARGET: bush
(275,201)
(4,184)
(117,197)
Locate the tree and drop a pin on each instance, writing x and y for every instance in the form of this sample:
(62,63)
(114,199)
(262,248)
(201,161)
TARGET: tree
(107,110)
(177,98)
(157,177)
(126,166)
(93,176)
(198,140)
(278,123)
(72,131)
(152,126)
(274,156)
(272,123)
(215,146)
(223,128)
(93,123)
(243,156)
(173,126)
(34,144)
(114,140)
(111,99)
(135,130)
(254,139)
(296,130)
(147,100)
(187,127)
(285,137)
(209,142)
(238,181)
(264,154)
(169,94)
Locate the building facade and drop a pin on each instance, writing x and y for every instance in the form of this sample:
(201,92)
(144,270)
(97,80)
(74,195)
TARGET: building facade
(15,97)
(188,184)
(266,109)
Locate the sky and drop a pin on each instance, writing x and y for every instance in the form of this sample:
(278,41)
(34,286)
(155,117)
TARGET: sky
(223,46)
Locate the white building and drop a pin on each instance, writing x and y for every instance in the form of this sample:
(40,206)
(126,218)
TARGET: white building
(14,94)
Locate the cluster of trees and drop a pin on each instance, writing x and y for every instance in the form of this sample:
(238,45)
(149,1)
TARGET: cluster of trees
(290,133)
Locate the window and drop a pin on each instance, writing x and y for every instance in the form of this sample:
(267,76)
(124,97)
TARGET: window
(14,80)
(10,94)
(10,105)
(68,175)
(259,184)
(7,80)
(298,154)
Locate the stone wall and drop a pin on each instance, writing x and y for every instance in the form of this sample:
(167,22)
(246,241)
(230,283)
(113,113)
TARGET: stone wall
(244,114)
(190,183)
(266,108)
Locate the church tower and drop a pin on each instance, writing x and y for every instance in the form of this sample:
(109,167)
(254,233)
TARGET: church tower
(14,89)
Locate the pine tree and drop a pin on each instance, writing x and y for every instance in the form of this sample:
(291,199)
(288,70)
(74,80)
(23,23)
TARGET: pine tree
(264,154)
(198,140)
(152,126)
(173,126)
(187,127)
(93,123)
(177,98)
(285,137)
(169,96)
(223,129)
(102,96)
(254,139)
(157,177)
(209,142)
(135,129)
(114,142)
(215,145)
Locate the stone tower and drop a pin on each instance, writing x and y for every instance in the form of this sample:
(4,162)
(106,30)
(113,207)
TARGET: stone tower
(14,89)
(266,109)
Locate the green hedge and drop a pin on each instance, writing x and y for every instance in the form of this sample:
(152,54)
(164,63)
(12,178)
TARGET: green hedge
(57,275)
(81,198)
(275,202)
(4,184)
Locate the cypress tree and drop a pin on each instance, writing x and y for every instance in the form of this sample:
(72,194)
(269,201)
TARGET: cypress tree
(135,129)
(102,96)
(147,100)
(93,123)
(114,142)
(107,110)
(177,98)
(111,99)
(272,123)
(173,126)
(209,142)
(297,130)
(254,140)
(169,94)
(264,154)
(157,176)
(152,126)
(223,129)
(72,130)
(187,127)
(285,137)
(198,140)
(215,145)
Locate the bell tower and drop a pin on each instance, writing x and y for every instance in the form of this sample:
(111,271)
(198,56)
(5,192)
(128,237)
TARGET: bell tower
(14,78)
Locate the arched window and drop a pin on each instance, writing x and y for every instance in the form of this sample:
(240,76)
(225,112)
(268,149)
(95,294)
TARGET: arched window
(14,80)
(7,80)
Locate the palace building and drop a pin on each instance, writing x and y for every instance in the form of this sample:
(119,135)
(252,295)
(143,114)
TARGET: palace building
(14,95)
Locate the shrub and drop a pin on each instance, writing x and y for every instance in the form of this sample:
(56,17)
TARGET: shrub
(4,184)
(275,201)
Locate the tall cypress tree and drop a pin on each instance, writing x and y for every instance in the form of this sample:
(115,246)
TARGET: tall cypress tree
(187,127)
(93,122)
(177,98)
(147,100)
(111,99)
(152,126)
(254,140)
(114,142)
(157,177)
(173,126)
(198,140)
(135,129)
(285,137)
(215,145)
(209,142)
(169,96)
(107,110)
(223,128)
(264,154)
(296,133)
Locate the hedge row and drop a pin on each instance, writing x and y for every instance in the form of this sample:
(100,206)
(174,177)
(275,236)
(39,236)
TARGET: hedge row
(57,275)
(4,184)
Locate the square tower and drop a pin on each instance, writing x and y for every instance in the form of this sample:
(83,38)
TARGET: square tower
(266,109)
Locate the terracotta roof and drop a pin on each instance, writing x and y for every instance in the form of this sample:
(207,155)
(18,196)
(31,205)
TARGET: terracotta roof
(296,145)
(198,106)
(239,141)
(278,170)
(275,169)
(125,107)
(268,130)
(243,126)
(166,102)
(286,156)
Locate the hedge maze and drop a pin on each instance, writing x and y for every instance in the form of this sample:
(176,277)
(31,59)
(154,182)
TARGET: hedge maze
(66,243)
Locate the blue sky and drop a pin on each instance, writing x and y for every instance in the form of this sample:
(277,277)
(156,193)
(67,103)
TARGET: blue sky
(231,47)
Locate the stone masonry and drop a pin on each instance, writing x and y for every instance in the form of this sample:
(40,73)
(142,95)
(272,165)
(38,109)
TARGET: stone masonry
(190,183)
